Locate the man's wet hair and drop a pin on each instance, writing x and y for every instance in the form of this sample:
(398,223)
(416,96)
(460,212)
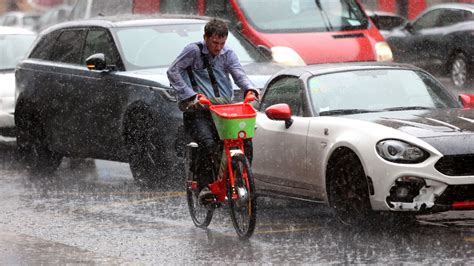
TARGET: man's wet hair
(216,26)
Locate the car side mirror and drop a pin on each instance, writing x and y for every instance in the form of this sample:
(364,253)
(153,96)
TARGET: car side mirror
(266,52)
(96,62)
(467,100)
(409,27)
(281,111)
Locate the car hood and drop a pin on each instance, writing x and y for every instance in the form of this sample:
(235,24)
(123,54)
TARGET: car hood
(451,131)
(258,73)
(326,47)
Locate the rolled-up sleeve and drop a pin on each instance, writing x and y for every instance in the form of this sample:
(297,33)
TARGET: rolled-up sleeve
(238,72)
(178,68)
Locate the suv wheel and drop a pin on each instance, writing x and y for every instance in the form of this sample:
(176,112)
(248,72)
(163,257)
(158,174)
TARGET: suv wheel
(33,150)
(147,159)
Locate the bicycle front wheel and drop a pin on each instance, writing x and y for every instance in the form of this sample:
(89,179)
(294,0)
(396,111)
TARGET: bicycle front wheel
(241,197)
(201,215)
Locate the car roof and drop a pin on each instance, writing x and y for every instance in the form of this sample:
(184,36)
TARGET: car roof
(133,20)
(319,69)
(4,30)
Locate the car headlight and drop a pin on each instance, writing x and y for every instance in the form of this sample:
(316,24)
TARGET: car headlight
(400,152)
(286,56)
(383,52)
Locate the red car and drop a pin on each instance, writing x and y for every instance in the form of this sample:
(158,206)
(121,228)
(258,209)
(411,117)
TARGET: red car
(311,31)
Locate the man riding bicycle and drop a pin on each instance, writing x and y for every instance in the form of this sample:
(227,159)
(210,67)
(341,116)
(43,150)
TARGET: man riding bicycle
(204,67)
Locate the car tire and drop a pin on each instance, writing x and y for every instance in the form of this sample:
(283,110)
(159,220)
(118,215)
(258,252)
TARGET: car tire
(348,189)
(459,71)
(32,148)
(146,156)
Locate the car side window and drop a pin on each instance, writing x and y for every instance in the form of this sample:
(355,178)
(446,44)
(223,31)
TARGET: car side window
(99,41)
(454,16)
(44,48)
(285,90)
(428,20)
(68,47)
(10,21)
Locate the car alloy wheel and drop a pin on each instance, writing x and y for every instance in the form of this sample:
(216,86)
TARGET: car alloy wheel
(459,71)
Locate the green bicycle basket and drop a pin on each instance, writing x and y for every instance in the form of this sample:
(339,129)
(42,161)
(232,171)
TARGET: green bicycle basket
(234,121)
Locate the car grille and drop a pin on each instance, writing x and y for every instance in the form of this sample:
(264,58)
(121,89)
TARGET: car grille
(456,193)
(456,165)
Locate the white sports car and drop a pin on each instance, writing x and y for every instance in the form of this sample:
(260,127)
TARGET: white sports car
(363,138)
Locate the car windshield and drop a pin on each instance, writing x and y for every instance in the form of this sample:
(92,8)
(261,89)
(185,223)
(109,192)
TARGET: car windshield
(376,90)
(13,48)
(158,46)
(303,15)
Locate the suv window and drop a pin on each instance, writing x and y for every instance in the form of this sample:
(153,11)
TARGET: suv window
(99,41)
(45,46)
(68,47)
(453,16)
(428,20)
(285,90)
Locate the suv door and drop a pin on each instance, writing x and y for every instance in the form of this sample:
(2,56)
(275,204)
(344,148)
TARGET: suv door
(101,99)
(90,113)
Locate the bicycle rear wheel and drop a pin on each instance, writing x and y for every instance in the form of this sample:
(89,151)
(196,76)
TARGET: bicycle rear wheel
(241,197)
(201,215)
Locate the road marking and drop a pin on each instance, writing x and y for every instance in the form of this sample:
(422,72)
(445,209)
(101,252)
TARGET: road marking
(289,230)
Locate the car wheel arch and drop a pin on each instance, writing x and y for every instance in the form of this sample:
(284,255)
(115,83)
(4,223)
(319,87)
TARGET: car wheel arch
(335,154)
(129,121)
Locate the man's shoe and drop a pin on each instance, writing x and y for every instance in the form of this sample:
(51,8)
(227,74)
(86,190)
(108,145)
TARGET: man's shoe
(206,196)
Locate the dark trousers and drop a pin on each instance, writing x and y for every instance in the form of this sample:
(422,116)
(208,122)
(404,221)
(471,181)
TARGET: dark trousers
(200,126)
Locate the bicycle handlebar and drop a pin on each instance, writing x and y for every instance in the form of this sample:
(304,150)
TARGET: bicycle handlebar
(205,101)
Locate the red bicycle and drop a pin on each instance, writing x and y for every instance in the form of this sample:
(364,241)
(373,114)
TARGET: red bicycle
(233,186)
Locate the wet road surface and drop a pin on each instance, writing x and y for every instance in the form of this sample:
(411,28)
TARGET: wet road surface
(91,212)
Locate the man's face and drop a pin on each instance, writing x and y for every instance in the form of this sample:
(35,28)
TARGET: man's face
(215,43)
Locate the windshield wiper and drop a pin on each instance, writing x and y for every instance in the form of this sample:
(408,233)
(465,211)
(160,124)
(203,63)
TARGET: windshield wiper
(346,112)
(324,15)
(404,108)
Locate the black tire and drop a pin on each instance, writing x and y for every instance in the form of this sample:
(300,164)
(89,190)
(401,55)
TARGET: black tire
(32,148)
(146,153)
(243,213)
(348,190)
(200,214)
(459,71)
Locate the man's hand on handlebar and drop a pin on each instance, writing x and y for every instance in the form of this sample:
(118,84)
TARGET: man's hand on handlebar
(252,95)
(192,104)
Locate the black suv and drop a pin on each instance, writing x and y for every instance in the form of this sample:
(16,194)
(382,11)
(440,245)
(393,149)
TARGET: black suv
(98,89)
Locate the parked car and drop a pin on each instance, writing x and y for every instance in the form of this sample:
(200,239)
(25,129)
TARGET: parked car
(438,40)
(386,21)
(98,89)
(364,138)
(14,43)
(20,19)
(54,16)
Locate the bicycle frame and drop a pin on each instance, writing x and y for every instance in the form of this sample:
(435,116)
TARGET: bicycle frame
(219,187)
